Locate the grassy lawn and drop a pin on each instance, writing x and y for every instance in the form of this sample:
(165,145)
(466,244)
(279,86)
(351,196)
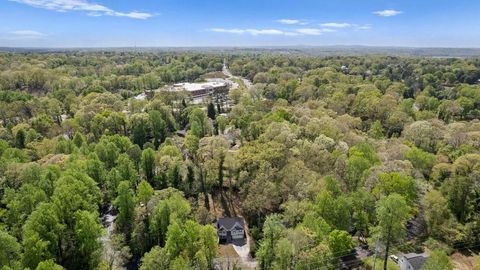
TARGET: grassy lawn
(379,264)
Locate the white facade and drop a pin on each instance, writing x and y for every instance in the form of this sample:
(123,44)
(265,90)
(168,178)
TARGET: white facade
(237,232)
(222,232)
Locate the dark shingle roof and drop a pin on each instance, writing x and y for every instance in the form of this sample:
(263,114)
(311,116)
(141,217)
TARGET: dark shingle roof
(416,261)
(228,223)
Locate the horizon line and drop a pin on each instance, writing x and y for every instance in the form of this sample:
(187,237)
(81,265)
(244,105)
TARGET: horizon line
(241,47)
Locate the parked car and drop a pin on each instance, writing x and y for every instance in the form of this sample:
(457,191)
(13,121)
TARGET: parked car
(394,258)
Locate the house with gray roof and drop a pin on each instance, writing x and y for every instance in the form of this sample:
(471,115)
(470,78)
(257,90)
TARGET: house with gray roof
(412,261)
(231,229)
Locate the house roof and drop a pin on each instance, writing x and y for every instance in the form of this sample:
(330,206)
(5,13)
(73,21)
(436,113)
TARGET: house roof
(416,260)
(229,222)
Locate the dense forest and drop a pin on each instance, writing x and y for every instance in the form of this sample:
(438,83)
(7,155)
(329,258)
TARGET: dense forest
(320,155)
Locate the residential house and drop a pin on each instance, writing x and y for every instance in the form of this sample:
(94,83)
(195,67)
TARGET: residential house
(412,261)
(231,229)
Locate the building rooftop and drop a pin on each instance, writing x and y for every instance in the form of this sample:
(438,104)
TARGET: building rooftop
(229,222)
(416,259)
(191,87)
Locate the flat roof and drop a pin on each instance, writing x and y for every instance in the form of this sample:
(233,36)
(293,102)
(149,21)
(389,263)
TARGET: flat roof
(197,86)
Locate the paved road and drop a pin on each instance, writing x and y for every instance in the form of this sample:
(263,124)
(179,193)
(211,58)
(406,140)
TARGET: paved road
(229,74)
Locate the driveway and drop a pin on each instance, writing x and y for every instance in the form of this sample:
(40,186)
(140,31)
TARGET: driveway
(243,251)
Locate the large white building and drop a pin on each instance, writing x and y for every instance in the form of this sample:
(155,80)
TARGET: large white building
(199,90)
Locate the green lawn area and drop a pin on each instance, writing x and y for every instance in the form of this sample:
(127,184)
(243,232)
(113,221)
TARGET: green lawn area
(379,264)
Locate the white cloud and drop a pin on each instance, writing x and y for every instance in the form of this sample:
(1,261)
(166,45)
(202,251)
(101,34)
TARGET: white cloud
(291,22)
(25,34)
(344,25)
(327,27)
(314,31)
(288,21)
(231,31)
(291,34)
(328,30)
(92,9)
(257,32)
(309,31)
(254,32)
(265,32)
(135,15)
(337,25)
(364,27)
(387,12)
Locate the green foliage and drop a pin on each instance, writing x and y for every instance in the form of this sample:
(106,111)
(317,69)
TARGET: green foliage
(20,138)
(108,153)
(193,243)
(316,257)
(42,234)
(421,160)
(144,192)
(272,232)
(285,254)
(361,158)
(199,123)
(336,211)
(171,210)
(438,260)
(460,188)
(49,265)
(9,249)
(437,215)
(125,202)
(340,242)
(127,170)
(392,213)
(148,164)
(75,191)
(315,150)
(139,124)
(157,258)
(376,130)
(389,183)
(21,204)
(159,127)
(87,234)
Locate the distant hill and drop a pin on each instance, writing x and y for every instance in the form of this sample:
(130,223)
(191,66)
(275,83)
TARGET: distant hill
(294,50)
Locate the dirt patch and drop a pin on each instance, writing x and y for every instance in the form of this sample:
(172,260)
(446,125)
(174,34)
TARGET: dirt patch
(227,251)
(462,262)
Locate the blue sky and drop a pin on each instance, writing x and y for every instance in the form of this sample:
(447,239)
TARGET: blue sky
(120,23)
